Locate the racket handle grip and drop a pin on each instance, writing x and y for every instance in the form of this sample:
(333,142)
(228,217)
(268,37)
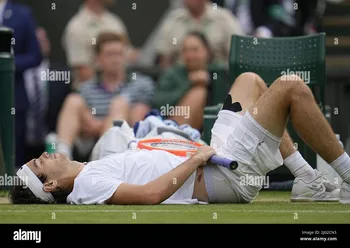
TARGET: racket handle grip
(231,164)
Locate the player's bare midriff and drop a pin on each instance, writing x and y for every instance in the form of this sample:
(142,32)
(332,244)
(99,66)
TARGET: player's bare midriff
(200,191)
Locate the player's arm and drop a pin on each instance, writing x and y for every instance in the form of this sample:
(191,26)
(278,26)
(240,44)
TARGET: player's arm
(164,186)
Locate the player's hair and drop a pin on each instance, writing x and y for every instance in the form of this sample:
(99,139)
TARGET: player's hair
(20,194)
(106,37)
(199,35)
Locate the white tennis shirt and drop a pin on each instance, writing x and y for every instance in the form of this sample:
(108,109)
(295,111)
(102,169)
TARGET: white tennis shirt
(99,179)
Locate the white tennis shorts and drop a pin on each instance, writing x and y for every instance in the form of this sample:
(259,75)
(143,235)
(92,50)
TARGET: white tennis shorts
(241,138)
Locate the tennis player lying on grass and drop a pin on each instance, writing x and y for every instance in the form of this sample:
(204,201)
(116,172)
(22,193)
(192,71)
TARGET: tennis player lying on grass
(251,131)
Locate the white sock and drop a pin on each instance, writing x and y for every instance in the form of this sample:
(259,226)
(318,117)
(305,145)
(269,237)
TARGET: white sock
(342,166)
(63,147)
(299,167)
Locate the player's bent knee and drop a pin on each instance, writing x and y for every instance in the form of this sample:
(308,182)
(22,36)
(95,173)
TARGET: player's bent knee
(295,78)
(247,77)
(249,80)
(290,81)
(302,91)
(294,87)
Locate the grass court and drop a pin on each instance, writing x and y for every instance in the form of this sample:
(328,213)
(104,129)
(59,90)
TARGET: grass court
(269,207)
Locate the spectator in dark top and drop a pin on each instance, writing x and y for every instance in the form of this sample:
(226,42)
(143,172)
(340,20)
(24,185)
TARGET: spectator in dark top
(27,55)
(263,18)
(47,86)
(273,18)
(115,94)
(186,85)
(309,16)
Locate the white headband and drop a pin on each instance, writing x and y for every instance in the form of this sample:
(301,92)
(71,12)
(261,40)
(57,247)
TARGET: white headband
(34,184)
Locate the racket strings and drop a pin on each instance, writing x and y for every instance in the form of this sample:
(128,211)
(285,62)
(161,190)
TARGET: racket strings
(172,146)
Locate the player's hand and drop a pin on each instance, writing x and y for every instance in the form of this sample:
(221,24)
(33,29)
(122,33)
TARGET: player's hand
(203,154)
(199,77)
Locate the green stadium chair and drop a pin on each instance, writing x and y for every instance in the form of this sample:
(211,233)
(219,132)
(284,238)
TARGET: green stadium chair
(269,58)
(221,84)
(210,114)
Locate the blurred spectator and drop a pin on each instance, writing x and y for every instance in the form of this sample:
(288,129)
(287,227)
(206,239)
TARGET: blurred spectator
(46,91)
(81,33)
(241,9)
(114,94)
(27,55)
(217,24)
(187,85)
(273,18)
(263,18)
(309,16)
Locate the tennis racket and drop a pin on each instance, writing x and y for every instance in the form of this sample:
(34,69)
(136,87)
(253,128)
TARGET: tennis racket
(183,148)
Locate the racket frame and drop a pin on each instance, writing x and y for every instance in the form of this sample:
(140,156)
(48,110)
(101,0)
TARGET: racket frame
(141,144)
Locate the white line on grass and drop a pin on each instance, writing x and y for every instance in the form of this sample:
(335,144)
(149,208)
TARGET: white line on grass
(171,211)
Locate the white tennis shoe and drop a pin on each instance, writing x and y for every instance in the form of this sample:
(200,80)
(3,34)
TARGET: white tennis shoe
(319,189)
(345,193)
